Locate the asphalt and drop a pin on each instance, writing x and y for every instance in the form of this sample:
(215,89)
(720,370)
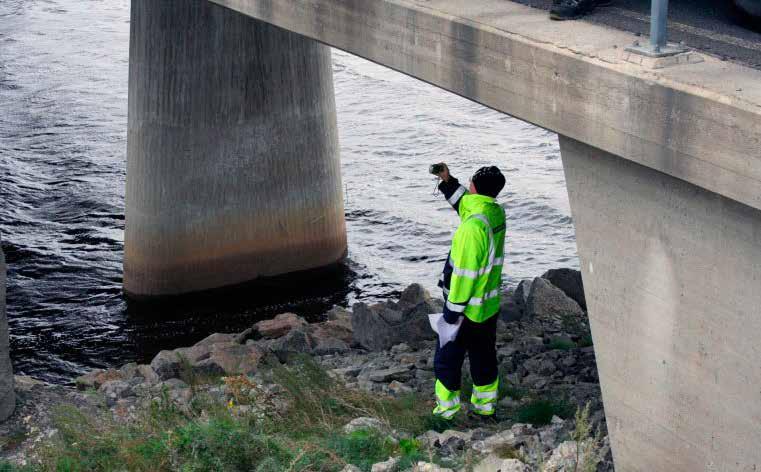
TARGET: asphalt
(710,26)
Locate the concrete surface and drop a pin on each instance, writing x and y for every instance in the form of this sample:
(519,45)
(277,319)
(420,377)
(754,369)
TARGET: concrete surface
(7,396)
(710,26)
(697,122)
(233,163)
(672,275)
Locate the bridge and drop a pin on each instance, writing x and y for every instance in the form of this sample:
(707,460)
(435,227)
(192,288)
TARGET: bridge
(233,174)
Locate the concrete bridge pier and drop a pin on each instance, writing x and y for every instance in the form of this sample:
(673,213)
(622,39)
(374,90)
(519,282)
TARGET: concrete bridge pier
(233,163)
(673,283)
(7,396)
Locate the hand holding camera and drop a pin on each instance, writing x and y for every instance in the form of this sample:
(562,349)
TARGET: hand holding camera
(440,170)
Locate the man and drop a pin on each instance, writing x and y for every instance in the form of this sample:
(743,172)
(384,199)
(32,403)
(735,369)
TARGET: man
(471,282)
(572,9)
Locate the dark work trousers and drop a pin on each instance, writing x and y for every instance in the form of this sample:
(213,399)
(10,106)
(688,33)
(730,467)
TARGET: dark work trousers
(477,340)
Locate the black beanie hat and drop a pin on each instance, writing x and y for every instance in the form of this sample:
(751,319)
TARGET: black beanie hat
(489,181)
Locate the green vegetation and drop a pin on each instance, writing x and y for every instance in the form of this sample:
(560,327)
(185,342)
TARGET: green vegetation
(298,427)
(562,344)
(540,411)
(589,450)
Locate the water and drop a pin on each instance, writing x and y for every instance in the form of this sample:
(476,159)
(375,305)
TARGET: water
(63,124)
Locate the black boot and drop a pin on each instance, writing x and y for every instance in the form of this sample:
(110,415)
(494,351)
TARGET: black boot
(572,9)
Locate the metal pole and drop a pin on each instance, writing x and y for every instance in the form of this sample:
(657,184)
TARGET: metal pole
(658,24)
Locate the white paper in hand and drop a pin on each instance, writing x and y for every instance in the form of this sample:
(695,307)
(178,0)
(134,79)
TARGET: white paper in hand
(447,332)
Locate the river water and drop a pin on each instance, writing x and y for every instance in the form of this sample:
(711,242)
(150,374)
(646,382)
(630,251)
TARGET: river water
(63,126)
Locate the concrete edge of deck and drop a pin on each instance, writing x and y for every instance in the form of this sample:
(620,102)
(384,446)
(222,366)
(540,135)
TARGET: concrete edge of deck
(697,122)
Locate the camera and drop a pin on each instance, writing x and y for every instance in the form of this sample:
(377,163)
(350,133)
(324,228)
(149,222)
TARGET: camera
(437,169)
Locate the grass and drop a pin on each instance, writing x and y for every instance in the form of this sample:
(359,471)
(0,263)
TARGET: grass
(539,412)
(297,428)
(562,344)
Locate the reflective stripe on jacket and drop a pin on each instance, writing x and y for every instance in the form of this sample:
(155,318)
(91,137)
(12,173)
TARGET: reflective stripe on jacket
(472,276)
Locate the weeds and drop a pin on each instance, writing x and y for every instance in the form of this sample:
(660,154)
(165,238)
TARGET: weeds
(589,448)
(539,412)
(296,426)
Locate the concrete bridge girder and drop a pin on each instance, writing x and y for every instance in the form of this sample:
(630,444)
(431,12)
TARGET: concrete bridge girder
(233,162)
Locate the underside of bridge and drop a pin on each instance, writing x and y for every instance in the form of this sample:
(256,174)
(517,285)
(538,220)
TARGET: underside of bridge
(233,163)
(233,174)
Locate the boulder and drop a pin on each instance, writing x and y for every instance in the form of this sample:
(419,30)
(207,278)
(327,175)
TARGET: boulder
(379,327)
(230,359)
(492,463)
(216,338)
(564,458)
(429,467)
(401,373)
(547,302)
(364,423)
(167,365)
(279,326)
(114,390)
(570,282)
(513,306)
(95,378)
(7,395)
(386,466)
(297,341)
(340,315)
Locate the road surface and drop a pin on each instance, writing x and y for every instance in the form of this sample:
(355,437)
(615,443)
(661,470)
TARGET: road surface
(710,26)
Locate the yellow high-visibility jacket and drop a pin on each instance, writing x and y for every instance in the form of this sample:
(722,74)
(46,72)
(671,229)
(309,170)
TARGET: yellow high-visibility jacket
(472,276)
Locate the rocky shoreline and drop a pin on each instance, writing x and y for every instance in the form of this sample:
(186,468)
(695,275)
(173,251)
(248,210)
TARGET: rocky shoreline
(546,360)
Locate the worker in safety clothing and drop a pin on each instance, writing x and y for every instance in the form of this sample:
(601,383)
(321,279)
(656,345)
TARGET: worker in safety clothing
(471,283)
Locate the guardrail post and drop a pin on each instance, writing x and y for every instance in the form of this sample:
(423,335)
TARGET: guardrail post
(658,46)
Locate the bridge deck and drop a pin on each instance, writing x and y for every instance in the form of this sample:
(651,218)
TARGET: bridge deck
(697,122)
(710,26)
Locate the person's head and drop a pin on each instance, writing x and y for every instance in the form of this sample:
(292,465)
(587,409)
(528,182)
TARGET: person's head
(487,181)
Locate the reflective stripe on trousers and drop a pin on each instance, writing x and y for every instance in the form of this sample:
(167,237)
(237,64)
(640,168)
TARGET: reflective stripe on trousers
(484,398)
(447,401)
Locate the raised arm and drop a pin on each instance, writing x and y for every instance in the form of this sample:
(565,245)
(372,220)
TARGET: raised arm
(451,189)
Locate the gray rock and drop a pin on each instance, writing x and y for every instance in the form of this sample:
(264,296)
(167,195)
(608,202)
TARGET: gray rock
(364,422)
(513,305)
(429,467)
(7,394)
(129,371)
(387,466)
(570,282)
(279,325)
(115,390)
(563,458)
(543,367)
(493,463)
(297,341)
(148,374)
(229,359)
(95,378)
(398,388)
(339,315)
(166,364)
(387,375)
(215,338)
(379,327)
(351,468)
(547,302)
